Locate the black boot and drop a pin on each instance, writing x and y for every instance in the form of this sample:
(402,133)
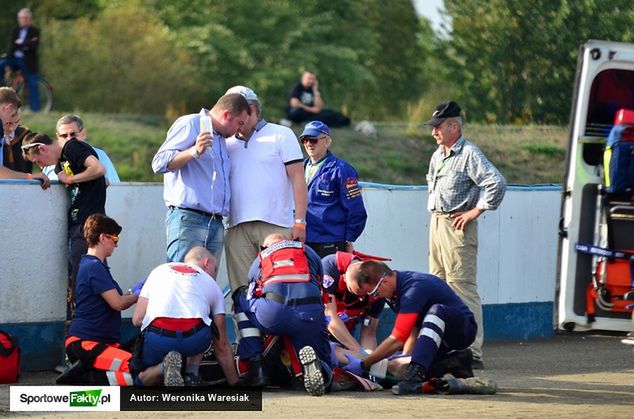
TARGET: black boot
(412,380)
(256,376)
(458,363)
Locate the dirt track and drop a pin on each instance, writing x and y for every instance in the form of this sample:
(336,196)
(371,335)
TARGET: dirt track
(579,375)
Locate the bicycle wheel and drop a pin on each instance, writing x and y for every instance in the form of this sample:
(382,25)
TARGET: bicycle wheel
(46,94)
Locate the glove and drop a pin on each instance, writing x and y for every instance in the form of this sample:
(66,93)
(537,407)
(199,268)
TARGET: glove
(363,351)
(354,365)
(136,288)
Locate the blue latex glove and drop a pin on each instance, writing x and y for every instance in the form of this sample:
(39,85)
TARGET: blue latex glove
(136,288)
(362,351)
(354,365)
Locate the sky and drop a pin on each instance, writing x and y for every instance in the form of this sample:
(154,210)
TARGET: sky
(429,9)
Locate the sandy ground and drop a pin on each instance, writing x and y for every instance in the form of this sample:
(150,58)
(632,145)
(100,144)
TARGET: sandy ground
(569,375)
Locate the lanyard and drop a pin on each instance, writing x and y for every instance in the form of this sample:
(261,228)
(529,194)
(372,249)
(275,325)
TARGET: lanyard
(440,167)
(311,169)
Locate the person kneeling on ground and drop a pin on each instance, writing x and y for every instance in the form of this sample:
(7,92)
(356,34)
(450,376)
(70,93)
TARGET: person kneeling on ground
(284,299)
(422,302)
(174,310)
(94,333)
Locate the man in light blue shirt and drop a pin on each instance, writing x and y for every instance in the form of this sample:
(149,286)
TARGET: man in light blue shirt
(195,165)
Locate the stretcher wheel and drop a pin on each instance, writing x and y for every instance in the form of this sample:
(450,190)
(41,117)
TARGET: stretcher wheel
(569,326)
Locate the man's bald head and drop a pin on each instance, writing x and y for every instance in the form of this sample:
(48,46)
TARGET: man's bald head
(273,238)
(203,258)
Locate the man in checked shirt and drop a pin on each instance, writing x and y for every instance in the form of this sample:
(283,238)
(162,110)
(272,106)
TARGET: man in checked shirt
(458,172)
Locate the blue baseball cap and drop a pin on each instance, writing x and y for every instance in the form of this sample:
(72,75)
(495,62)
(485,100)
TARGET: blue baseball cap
(315,129)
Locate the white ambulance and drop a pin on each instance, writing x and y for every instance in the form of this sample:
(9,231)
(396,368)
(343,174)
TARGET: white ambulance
(596,247)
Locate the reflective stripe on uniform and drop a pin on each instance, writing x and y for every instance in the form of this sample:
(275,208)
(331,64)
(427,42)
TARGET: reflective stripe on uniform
(432,318)
(118,378)
(430,333)
(250,332)
(241,317)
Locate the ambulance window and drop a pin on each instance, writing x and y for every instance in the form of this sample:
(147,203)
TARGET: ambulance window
(611,90)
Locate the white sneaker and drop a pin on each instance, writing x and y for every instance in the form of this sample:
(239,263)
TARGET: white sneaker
(286,122)
(172,364)
(313,377)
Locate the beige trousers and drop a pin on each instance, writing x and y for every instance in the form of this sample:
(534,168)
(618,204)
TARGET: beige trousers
(242,244)
(453,257)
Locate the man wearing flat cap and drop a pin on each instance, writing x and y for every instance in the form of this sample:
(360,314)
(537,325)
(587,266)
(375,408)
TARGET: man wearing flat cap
(458,172)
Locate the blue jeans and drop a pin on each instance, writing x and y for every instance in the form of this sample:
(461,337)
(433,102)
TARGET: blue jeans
(156,346)
(187,229)
(31,80)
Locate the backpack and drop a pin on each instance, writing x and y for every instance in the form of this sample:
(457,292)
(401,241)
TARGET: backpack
(618,157)
(9,359)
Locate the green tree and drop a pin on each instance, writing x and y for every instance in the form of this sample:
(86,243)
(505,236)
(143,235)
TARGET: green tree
(266,45)
(514,60)
(398,65)
(120,61)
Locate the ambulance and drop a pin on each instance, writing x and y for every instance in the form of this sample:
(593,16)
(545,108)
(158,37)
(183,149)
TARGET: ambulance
(596,227)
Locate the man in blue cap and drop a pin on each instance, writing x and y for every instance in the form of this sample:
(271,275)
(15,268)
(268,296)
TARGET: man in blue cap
(335,216)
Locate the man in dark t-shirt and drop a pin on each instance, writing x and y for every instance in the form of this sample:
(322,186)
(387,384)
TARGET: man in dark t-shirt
(78,167)
(306,104)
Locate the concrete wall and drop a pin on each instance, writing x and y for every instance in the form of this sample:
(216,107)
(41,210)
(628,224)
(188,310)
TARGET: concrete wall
(516,263)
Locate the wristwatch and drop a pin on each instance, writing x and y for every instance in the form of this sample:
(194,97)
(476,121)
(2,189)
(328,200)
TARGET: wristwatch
(194,153)
(300,221)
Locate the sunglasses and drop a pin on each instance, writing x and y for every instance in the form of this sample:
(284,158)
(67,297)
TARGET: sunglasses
(69,135)
(312,140)
(375,291)
(114,238)
(28,147)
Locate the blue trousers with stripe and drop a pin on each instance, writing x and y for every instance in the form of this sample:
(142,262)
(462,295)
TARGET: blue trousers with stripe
(305,325)
(444,329)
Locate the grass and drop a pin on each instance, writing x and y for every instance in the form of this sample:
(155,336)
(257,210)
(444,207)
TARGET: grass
(526,155)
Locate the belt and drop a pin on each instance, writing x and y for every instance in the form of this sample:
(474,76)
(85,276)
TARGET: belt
(211,215)
(292,302)
(173,333)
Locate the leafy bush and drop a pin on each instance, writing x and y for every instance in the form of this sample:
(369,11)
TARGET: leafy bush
(121,61)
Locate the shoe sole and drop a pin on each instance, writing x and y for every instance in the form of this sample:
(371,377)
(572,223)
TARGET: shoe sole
(313,377)
(172,363)
(397,391)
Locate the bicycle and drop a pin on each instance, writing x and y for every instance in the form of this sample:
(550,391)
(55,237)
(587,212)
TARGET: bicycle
(17,82)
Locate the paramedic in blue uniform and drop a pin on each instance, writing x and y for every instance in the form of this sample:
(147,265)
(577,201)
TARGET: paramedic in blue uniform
(344,309)
(284,299)
(335,216)
(426,306)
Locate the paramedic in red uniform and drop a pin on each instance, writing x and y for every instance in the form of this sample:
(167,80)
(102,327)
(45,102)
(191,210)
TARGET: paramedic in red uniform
(422,302)
(344,309)
(284,299)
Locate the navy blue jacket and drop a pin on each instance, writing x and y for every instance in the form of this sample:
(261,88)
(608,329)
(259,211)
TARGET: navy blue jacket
(335,207)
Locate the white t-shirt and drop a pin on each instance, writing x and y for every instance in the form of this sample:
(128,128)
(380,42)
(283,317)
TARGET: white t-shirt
(181,291)
(260,187)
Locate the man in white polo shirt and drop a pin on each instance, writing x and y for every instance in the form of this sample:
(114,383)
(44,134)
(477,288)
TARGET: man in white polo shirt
(267,182)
